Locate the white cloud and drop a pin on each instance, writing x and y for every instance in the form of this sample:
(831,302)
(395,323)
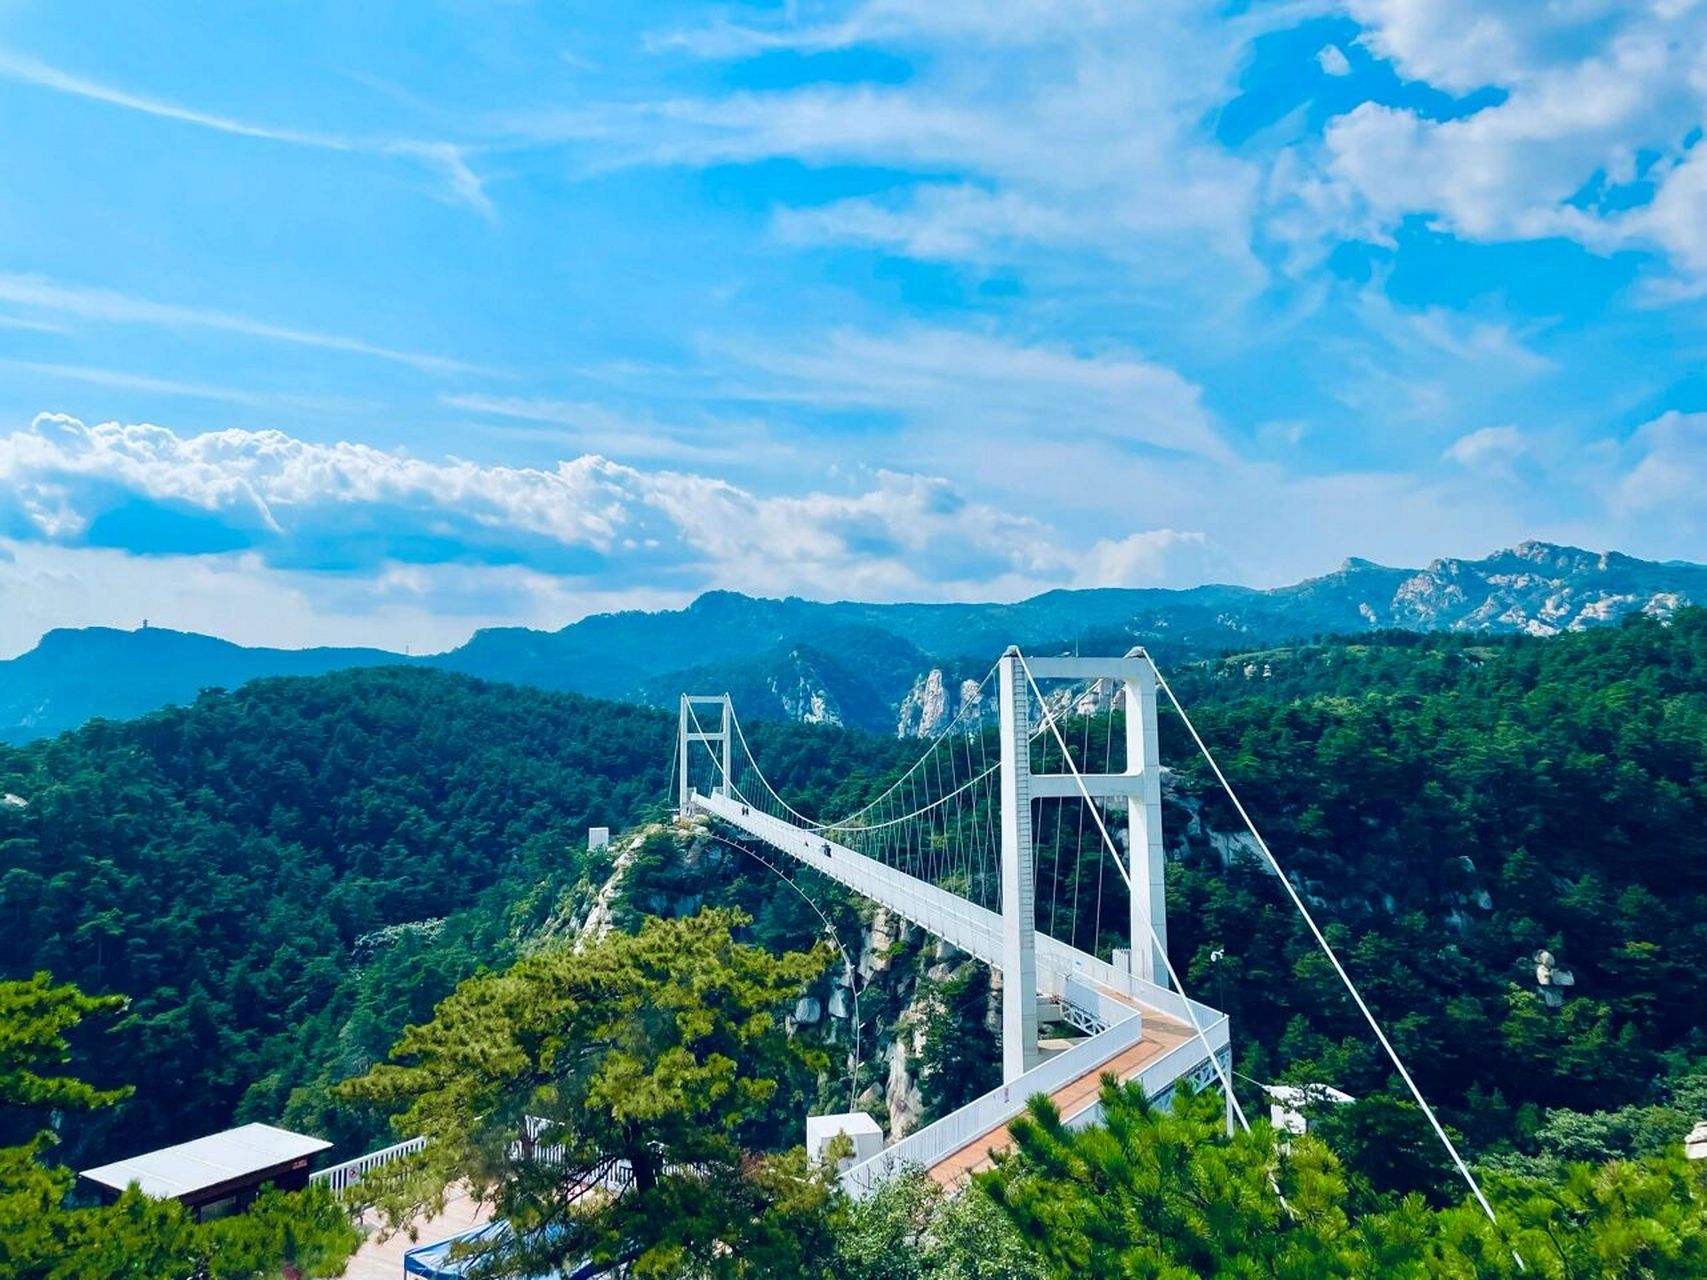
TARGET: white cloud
(1145,559)
(1462,45)
(1332,60)
(1596,95)
(125,381)
(269,538)
(109,306)
(449,159)
(297,505)
(958,382)
(1069,126)
(1489,450)
(31,326)
(1431,367)
(597,428)
(1669,477)
(934,222)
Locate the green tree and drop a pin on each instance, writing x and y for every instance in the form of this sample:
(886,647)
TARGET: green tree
(1166,1194)
(136,1237)
(910,1228)
(961,1058)
(35,1016)
(1170,1195)
(652,1056)
(1623,1220)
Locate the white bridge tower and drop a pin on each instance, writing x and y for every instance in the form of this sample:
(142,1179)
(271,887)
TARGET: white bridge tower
(1139,784)
(693,730)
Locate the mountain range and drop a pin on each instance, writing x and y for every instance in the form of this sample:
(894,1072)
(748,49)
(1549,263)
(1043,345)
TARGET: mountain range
(887,667)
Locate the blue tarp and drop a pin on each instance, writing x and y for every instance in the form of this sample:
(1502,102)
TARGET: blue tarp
(434,1261)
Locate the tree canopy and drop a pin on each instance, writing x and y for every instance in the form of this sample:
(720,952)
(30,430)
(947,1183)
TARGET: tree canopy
(136,1237)
(651,1059)
(1167,1194)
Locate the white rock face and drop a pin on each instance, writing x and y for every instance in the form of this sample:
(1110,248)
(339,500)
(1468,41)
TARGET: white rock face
(1535,588)
(906,1106)
(924,711)
(934,702)
(802,694)
(874,956)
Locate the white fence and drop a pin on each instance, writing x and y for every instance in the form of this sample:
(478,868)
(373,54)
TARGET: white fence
(342,1176)
(984,1115)
(1188,1060)
(1056,956)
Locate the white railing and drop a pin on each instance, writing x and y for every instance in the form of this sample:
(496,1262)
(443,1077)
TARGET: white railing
(1056,956)
(974,929)
(984,1115)
(1183,1061)
(1158,1078)
(342,1176)
(1062,971)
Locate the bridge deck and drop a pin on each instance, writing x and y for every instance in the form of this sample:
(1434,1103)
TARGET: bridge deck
(1063,973)
(378,1259)
(1071,1099)
(1145,1033)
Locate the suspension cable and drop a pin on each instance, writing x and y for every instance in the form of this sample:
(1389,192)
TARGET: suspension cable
(816,825)
(1333,957)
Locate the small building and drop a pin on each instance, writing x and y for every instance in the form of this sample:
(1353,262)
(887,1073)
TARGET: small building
(856,1126)
(597,838)
(217,1175)
(1695,1145)
(1289,1104)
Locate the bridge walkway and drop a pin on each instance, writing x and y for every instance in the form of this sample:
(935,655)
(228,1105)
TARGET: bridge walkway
(1140,1031)
(1072,1099)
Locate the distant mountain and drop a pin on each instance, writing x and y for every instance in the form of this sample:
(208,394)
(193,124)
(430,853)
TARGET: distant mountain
(887,667)
(74,676)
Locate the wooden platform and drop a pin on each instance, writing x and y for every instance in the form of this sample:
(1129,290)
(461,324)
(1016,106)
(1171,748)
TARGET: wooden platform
(1160,1035)
(377,1260)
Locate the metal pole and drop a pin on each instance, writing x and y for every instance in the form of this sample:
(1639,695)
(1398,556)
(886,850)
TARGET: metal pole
(1019,912)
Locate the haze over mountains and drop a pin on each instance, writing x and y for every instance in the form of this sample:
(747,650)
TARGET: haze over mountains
(875,666)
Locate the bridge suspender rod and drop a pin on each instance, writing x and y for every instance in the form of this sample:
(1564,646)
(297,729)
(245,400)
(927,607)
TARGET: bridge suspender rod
(1333,958)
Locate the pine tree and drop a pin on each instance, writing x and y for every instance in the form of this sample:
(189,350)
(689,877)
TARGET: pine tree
(651,1057)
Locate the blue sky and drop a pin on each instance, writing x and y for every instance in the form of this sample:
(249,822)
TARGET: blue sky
(378,323)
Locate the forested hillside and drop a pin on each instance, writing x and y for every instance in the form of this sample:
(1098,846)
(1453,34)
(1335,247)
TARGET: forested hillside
(1453,807)
(281,877)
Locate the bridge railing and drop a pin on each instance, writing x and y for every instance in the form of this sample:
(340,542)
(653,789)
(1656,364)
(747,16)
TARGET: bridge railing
(935,1142)
(340,1177)
(1057,955)
(1063,970)
(974,929)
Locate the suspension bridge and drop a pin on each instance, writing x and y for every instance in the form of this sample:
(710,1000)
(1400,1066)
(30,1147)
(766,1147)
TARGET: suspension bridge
(998,840)
(956,845)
